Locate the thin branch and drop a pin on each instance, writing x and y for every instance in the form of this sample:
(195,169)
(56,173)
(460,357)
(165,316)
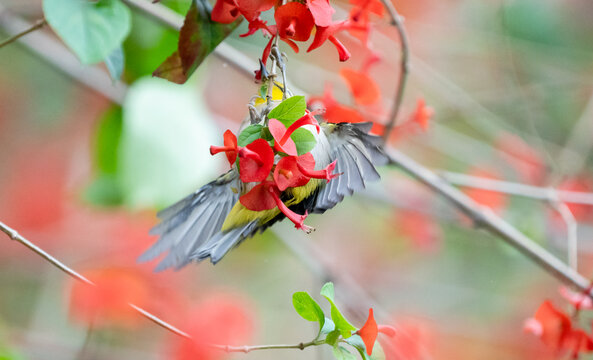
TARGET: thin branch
(404,66)
(246,349)
(571,232)
(14,235)
(517,189)
(486,219)
(37,25)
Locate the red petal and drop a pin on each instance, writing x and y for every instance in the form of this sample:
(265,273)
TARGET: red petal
(307,119)
(294,21)
(292,44)
(363,88)
(107,302)
(387,330)
(555,324)
(258,198)
(422,114)
(266,54)
(369,332)
(252,8)
(277,129)
(580,300)
(343,53)
(322,12)
(287,174)
(252,170)
(224,11)
(230,140)
(296,219)
(306,164)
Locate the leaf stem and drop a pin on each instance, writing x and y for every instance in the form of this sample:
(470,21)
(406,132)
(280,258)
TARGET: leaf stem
(37,25)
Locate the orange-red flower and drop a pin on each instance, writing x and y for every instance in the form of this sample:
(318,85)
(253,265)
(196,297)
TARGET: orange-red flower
(369,331)
(255,161)
(229,148)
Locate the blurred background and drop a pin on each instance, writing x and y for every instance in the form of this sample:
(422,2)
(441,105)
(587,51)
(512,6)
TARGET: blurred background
(82,173)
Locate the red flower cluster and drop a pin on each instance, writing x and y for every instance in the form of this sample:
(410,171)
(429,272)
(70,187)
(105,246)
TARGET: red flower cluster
(295,21)
(557,331)
(256,165)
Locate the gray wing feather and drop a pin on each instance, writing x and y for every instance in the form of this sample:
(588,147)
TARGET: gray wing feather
(188,224)
(357,153)
(222,243)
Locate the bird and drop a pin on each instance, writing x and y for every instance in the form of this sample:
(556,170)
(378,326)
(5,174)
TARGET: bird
(211,221)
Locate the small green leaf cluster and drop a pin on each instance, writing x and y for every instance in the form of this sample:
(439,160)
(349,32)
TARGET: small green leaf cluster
(287,112)
(335,331)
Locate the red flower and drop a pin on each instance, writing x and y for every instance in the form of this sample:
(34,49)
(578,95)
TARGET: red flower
(256,161)
(494,200)
(221,319)
(325,33)
(580,300)
(334,111)
(287,173)
(369,331)
(229,148)
(422,114)
(321,11)
(282,140)
(106,304)
(264,195)
(293,171)
(294,21)
(363,88)
(227,11)
(259,198)
(550,324)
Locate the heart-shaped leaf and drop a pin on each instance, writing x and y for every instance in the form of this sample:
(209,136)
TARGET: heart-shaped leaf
(92,29)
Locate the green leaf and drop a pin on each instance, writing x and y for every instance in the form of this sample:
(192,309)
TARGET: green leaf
(263,91)
(308,308)
(104,191)
(92,29)
(378,353)
(356,342)
(340,353)
(289,110)
(198,37)
(115,63)
(249,134)
(327,291)
(107,140)
(10,354)
(304,140)
(332,337)
(163,153)
(328,326)
(339,320)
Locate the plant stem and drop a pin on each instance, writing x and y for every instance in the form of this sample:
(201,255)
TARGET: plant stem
(38,25)
(396,20)
(246,349)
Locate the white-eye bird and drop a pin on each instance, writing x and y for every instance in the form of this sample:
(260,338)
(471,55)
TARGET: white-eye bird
(211,221)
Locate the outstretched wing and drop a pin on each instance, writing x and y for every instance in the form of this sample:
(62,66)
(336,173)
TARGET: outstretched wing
(357,153)
(187,225)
